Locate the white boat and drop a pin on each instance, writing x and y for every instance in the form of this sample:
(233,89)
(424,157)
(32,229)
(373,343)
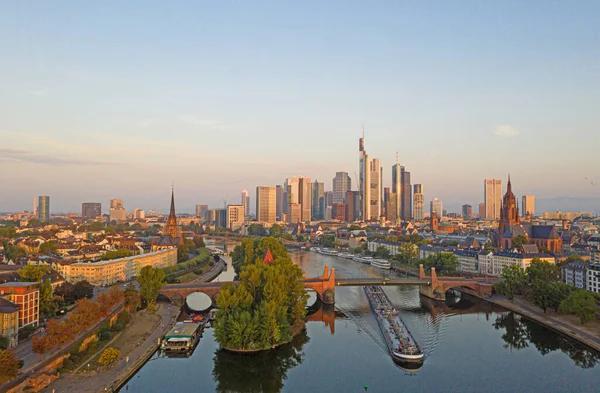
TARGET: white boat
(327,251)
(314,249)
(345,255)
(381,264)
(363,259)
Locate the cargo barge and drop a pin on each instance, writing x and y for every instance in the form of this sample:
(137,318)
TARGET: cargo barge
(400,342)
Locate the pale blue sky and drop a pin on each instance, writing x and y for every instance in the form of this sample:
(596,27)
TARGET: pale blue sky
(103,100)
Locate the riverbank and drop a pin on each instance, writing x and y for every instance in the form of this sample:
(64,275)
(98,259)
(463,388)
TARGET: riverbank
(297,329)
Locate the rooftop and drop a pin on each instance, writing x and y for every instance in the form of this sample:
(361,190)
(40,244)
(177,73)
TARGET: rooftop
(18,284)
(7,307)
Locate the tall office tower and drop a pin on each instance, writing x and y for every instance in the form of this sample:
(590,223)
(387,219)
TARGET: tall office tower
(139,214)
(245,201)
(386,197)
(211,216)
(390,207)
(493,198)
(418,203)
(90,210)
(235,216)
(266,204)
(397,187)
(481,210)
(466,211)
(292,188)
(328,199)
(221,218)
(338,211)
(305,197)
(201,211)
(280,202)
(406,208)
(352,199)
(341,184)
(318,200)
(43,212)
(35,205)
(375,192)
(528,205)
(436,206)
(285,198)
(294,214)
(364,179)
(117,211)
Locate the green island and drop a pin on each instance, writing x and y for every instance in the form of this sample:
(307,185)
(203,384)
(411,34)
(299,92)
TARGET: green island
(267,307)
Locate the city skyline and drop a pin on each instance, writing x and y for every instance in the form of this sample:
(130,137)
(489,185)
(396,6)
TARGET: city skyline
(492,94)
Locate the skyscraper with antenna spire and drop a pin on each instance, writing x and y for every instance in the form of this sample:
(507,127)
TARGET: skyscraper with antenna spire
(397,186)
(364,179)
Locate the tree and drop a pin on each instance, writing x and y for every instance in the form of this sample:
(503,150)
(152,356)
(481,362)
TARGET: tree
(4,341)
(540,270)
(445,263)
(9,365)
(32,273)
(183,253)
(408,253)
(542,294)
(84,315)
(8,233)
(47,305)
(82,289)
(120,253)
(327,241)
(519,241)
(275,230)
(514,280)
(132,298)
(41,345)
(256,230)
(109,356)
(151,280)
(558,292)
(199,242)
(580,303)
(49,247)
(382,252)
(65,291)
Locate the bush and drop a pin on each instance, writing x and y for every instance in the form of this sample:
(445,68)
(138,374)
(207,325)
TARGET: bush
(25,332)
(4,342)
(92,346)
(105,335)
(124,318)
(109,356)
(117,327)
(68,364)
(211,264)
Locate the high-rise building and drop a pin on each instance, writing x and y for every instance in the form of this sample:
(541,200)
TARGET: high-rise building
(493,198)
(211,216)
(364,180)
(280,202)
(375,193)
(245,202)
(352,205)
(117,211)
(294,214)
(201,211)
(341,184)
(35,205)
(221,218)
(436,206)
(139,214)
(466,211)
(482,210)
(43,213)
(338,211)
(418,203)
(305,197)
(386,197)
(90,210)
(390,207)
(318,202)
(397,187)
(528,205)
(266,203)
(235,216)
(406,208)
(328,199)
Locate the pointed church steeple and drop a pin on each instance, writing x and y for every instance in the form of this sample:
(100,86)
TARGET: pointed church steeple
(172,213)
(172,228)
(508,186)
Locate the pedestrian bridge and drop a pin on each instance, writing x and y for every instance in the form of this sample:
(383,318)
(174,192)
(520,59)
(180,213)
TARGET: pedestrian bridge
(430,286)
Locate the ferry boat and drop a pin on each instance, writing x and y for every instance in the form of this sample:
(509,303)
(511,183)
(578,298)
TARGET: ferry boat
(399,340)
(314,249)
(363,259)
(182,337)
(327,251)
(345,255)
(381,264)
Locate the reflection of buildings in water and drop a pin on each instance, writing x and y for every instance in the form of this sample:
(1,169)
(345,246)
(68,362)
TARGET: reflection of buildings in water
(465,305)
(325,313)
(260,372)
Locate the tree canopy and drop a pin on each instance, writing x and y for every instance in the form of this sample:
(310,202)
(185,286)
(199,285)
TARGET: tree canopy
(582,304)
(9,365)
(543,271)
(445,263)
(151,280)
(261,311)
(32,273)
(120,253)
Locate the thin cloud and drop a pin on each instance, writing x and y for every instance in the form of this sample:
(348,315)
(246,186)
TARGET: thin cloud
(506,131)
(146,123)
(22,155)
(199,122)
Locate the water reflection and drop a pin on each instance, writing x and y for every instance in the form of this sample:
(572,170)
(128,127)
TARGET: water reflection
(520,332)
(262,372)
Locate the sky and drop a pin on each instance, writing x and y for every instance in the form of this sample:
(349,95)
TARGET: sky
(112,99)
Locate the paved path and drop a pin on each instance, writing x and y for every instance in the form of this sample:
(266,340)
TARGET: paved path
(524,308)
(95,382)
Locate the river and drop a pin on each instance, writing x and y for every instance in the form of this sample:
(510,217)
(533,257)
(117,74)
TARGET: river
(470,346)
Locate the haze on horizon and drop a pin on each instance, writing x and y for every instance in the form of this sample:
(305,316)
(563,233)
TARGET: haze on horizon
(104,100)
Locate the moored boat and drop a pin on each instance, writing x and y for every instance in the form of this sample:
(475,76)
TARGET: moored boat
(327,251)
(182,337)
(400,342)
(381,264)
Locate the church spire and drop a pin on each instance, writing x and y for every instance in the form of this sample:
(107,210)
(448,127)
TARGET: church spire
(172,213)
(508,186)
(172,228)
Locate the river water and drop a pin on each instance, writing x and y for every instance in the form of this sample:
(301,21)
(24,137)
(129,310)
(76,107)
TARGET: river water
(470,346)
